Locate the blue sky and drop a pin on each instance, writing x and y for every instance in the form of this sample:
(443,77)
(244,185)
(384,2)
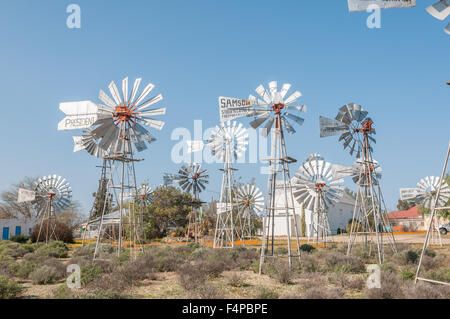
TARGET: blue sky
(195,51)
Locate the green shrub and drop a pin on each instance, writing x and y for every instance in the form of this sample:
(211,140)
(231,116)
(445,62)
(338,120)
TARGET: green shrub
(44,275)
(56,249)
(307,248)
(22,239)
(281,251)
(407,274)
(89,272)
(9,288)
(411,257)
(25,269)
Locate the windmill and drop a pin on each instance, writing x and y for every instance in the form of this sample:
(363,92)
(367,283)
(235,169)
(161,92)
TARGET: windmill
(118,125)
(435,206)
(426,195)
(228,142)
(250,202)
(190,178)
(274,110)
(144,197)
(369,216)
(50,196)
(317,190)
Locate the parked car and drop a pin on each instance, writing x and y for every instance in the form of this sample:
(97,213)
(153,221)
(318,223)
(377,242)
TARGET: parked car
(444,229)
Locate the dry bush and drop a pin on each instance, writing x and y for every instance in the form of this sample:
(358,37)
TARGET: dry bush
(307,264)
(347,281)
(391,287)
(62,232)
(108,282)
(279,270)
(337,262)
(207,291)
(429,263)
(191,277)
(266,293)
(323,293)
(44,275)
(236,280)
(245,257)
(426,291)
(104,251)
(313,279)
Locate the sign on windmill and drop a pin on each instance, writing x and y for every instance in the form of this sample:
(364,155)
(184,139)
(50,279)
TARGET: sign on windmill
(231,108)
(80,115)
(362,5)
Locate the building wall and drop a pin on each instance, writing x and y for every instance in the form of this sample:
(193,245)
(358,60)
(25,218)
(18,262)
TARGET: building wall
(25,224)
(338,216)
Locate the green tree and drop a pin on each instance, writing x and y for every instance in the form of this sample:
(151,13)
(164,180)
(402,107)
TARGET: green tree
(170,207)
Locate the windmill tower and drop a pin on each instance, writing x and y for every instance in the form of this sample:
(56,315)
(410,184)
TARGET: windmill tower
(119,126)
(275,110)
(89,143)
(426,194)
(250,203)
(51,195)
(228,142)
(191,178)
(317,189)
(370,214)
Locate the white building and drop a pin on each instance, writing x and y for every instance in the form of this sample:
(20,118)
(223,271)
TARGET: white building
(16,226)
(338,215)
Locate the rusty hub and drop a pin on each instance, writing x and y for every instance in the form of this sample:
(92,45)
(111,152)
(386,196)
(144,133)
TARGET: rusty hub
(366,127)
(125,114)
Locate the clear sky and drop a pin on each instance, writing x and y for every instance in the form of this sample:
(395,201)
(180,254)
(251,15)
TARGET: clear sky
(197,50)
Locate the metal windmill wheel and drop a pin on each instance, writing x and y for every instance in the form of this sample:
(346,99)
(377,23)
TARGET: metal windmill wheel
(53,195)
(425,194)
(351,120)
(250,202)
(275,105)
(317,189)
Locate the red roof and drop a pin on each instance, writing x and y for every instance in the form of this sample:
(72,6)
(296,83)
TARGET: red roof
(412,213)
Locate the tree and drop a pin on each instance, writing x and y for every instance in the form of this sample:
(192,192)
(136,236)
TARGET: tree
(170,207)
(406,204)
(10,208)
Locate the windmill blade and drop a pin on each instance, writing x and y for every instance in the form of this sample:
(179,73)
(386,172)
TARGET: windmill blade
(295,118)
(256,102)
(263,93)
(156,124)
(106,99)
(136,85)
(145,134)
(150,102)
(300,108)
(259,121)
(286,87)
(265,132)
(125,90)
(330,127)
(115,93)
(273,87)
(294,97)
(154,112)
(144,93)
